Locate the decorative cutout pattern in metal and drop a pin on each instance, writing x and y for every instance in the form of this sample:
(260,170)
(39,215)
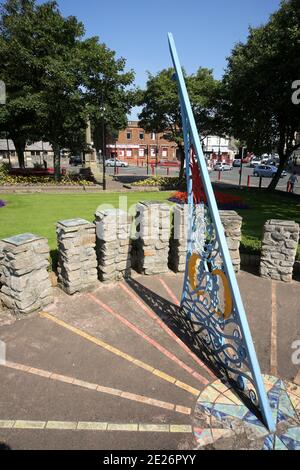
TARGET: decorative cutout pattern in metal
(211,298)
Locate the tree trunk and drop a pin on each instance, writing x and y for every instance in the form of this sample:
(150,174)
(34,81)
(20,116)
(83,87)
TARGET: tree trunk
(277,176)
(20,145)
(57,173)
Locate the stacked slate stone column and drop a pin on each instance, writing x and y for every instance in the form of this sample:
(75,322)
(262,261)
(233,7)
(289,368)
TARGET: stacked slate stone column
(279,249)
(179,239)
(232,224)
(25,283)
(113,228)
(151,245)
(77,261)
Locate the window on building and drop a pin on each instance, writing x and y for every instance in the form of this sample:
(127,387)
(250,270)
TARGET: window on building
(141,152)
(153,136)
(129,153)
(165,153)
(121,153)
(153,152)
(129,135)
(142,135)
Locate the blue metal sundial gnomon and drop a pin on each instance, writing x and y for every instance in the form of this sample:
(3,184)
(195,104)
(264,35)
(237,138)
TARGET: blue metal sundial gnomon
(211,297)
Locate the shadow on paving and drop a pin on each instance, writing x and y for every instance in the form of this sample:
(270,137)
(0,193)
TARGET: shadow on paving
(4,446)
(177,320)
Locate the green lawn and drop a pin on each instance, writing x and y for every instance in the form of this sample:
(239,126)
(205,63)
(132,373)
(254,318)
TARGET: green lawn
(38,213)
(262,207)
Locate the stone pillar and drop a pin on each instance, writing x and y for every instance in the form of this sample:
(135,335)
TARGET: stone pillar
(113,229)
(25,283)
(232,224)
(279,247)
(151,245)
(77,261)
(179,239)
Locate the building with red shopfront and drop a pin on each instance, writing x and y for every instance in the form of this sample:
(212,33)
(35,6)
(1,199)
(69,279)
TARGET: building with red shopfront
(138,147)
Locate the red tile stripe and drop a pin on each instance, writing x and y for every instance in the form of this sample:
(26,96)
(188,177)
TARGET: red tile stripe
(151,341)
(169,291)
(154,317)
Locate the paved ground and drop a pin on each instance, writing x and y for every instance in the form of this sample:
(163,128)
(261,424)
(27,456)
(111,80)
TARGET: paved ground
(113,370)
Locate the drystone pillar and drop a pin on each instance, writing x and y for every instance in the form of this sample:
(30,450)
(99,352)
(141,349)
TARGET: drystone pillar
(77,261)
(113,229)
(232,224)
(279,247)
(24,273)
(151,244)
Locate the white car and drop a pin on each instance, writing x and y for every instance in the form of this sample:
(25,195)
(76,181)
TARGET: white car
(223,167)
(112,162)
(255,162)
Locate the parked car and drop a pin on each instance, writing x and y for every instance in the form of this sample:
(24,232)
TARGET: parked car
(264,159)
(115,162)
(222,167)
(255,162)
(237,162)
(75,160)
(267,171)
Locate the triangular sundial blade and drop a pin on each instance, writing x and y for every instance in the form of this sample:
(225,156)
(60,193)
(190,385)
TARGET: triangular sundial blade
(225,335)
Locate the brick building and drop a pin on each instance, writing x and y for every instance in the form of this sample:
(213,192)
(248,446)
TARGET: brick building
(134,145)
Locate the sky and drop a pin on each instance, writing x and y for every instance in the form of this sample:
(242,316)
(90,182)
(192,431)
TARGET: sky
(205,31)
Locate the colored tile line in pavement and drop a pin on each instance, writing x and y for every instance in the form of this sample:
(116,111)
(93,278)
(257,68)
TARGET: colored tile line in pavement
(94,426)
(149,340)
(168,330)
(274,331)
(127,357)
(169,291)
(98,388)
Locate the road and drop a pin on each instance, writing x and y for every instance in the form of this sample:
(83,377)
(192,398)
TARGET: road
(231,177)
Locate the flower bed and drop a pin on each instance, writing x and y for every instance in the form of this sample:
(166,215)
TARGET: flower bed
(224,201)
(2,203)
(158,181)
(19,177)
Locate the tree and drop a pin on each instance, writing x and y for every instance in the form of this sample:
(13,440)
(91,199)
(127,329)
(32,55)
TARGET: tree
(255,103)
(19,115)
(161,108)
(55,80)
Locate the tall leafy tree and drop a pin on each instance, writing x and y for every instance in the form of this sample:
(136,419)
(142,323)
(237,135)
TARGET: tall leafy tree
(161,108)
(55,79)
(255,103)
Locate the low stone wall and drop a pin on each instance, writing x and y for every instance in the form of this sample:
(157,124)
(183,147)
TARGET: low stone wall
(113,244)
(151,245)
(232,224)
(77,261)
(279,247)
(24,276)
(105,251)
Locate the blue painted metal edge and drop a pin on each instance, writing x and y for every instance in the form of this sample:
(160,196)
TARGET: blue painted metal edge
(191,136)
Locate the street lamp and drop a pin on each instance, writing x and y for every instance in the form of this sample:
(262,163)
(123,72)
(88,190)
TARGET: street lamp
(241,169)
(102,112)
(147,155)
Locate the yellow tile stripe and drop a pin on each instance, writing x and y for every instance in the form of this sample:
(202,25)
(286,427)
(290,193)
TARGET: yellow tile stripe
(98,388)
(127,357)
(94,426)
